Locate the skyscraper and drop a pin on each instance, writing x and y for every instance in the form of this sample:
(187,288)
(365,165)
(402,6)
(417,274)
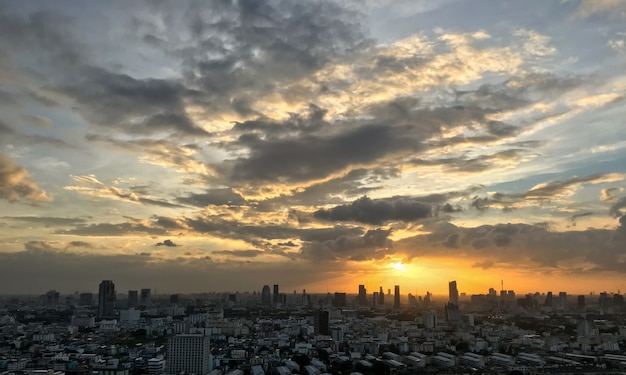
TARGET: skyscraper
(145,296)
(266,298)
(396,297)
(106,299)
(188,353)
(453,293)
(362,295)
(276,295)
(381,296)
(133,299)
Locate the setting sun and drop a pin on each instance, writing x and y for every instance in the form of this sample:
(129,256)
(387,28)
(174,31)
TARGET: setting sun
(397,267)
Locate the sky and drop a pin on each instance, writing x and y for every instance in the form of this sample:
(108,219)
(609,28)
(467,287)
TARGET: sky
(195,146)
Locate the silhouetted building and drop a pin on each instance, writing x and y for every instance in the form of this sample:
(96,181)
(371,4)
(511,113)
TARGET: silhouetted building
(276,295)
(396,297)
(453,293)
(453,315)
(321,323)
(174,299)
(580,302)
(340,300)
(146,298)
(133,298)
(266,298)
(548,302)
(85,299)
(362,299)
(51,298)
(381,296)
(106,299)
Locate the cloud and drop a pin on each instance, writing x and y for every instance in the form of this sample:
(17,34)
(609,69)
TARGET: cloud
(16,184)
(616,8)
(161,152)
(90,185)
(136,106)
(548,191)
(575,217)
(113,230)
(219,197)
(48,221)
(616,208)
(168,243)
(374,244)
(525,245)
(239,253)
(376,212)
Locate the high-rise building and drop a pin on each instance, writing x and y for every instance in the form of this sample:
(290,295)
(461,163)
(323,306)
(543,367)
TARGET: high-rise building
(340,300)
(321,323)
(189,353)
(381,296)
(133,298)
(396,297)
(106,299)
(145,296)
(276,295)
(362,300)
(453,293)
(266,298)
(581,302)
(174,299)
(85,299)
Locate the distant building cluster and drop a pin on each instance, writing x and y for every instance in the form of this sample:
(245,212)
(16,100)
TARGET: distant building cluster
(270,332)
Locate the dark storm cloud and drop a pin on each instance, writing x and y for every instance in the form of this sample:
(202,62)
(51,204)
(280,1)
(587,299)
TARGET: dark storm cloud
(376,212)
(16,183)
(374,244)
(217,197)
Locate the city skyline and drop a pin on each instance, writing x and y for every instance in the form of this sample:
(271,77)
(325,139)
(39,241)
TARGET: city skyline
(191,146)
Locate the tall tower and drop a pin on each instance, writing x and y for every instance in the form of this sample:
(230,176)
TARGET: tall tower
(188,353)
(396,297)
(133,299)
(266,298)
(381,296)
(362,295)
(106,299)
(145,296)
(276,296)
(453,293)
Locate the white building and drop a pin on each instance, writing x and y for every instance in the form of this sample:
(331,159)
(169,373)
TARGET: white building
(156,366)
(188,353)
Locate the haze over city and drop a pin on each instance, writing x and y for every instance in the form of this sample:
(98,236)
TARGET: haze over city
(225,145)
